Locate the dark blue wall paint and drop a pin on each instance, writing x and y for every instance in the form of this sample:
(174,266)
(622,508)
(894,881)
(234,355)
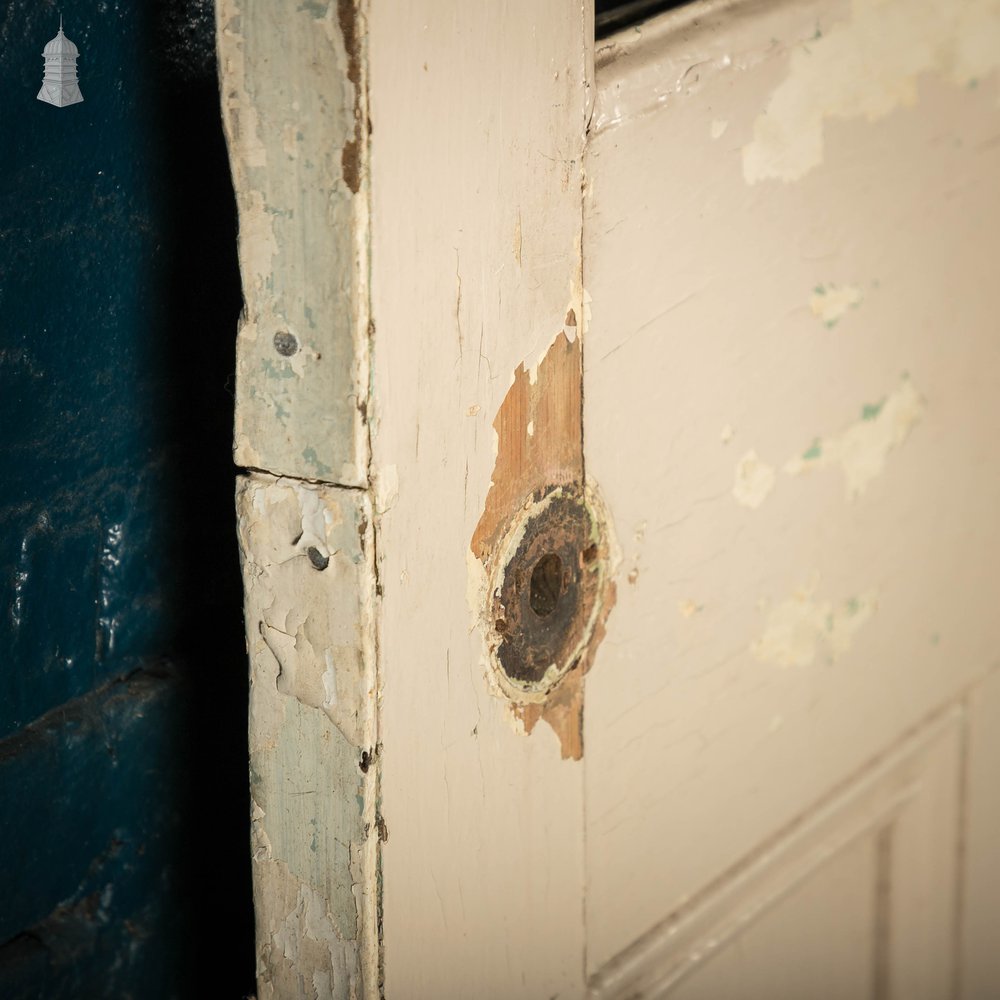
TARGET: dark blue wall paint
(82,384)
(108,826)
(118,301)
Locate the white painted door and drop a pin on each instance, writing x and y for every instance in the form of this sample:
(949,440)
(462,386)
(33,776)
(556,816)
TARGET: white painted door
(791,224)
(631,632)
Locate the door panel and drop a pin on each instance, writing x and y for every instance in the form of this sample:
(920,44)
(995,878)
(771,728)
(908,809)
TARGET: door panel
(823,931)
(858,893)
(766,266)
(980,968)
(789,407)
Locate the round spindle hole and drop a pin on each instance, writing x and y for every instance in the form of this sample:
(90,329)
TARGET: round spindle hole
(546,585)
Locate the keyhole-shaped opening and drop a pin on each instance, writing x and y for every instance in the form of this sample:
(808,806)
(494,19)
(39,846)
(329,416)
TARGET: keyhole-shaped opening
(546,585)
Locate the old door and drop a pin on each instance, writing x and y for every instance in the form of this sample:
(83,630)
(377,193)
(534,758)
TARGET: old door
(619,529)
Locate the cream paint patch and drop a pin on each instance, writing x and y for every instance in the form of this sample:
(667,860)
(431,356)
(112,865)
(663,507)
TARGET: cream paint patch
(258,248)
(866,67)
(754,480)
(718,128)
(829,303)
(861,450)
(800,628)
(386,488)
(303,554)
(688,608)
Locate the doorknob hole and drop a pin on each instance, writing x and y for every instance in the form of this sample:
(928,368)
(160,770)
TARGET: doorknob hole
(546,585)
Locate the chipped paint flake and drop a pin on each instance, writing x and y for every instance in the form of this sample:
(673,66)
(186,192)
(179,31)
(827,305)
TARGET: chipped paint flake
(800,628)
(829,303)
(718,128)
(689,608)
(754,480)
(386,488)
(866,67)
(308,571)
(861,449)
(727,434)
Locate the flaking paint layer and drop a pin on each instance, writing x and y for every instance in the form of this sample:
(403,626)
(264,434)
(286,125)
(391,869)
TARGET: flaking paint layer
(294,114)
(861,449)
(539,449)
(867,67)
(308,578)
(801,628)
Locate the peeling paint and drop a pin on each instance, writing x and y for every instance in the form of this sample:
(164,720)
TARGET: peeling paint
(309,586)
(352,154)
(800,628)
(718,128)
(306,938)
(862,448)
(386,488)
(303,255)
(527,521)
(754,480)
(829,303)
(303,555)
(867,67)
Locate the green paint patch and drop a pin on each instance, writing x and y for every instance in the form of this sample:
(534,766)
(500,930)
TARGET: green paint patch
(936,639)
(871,410)
(322,469)
(853,606)
(318,10)
(830,302)
(814,451)
(281,370)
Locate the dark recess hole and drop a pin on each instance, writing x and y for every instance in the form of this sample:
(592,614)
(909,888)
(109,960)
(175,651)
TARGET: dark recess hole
(285,343)
(589,554)
(546,585)
(318,560)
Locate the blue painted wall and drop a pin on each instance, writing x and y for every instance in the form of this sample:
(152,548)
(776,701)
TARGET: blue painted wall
(123,774)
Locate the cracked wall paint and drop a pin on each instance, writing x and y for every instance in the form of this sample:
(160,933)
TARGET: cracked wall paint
(866,67)
(862,448)
(800,629)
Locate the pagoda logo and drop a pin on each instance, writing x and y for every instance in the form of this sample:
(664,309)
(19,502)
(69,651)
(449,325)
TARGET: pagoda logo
(59,86)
